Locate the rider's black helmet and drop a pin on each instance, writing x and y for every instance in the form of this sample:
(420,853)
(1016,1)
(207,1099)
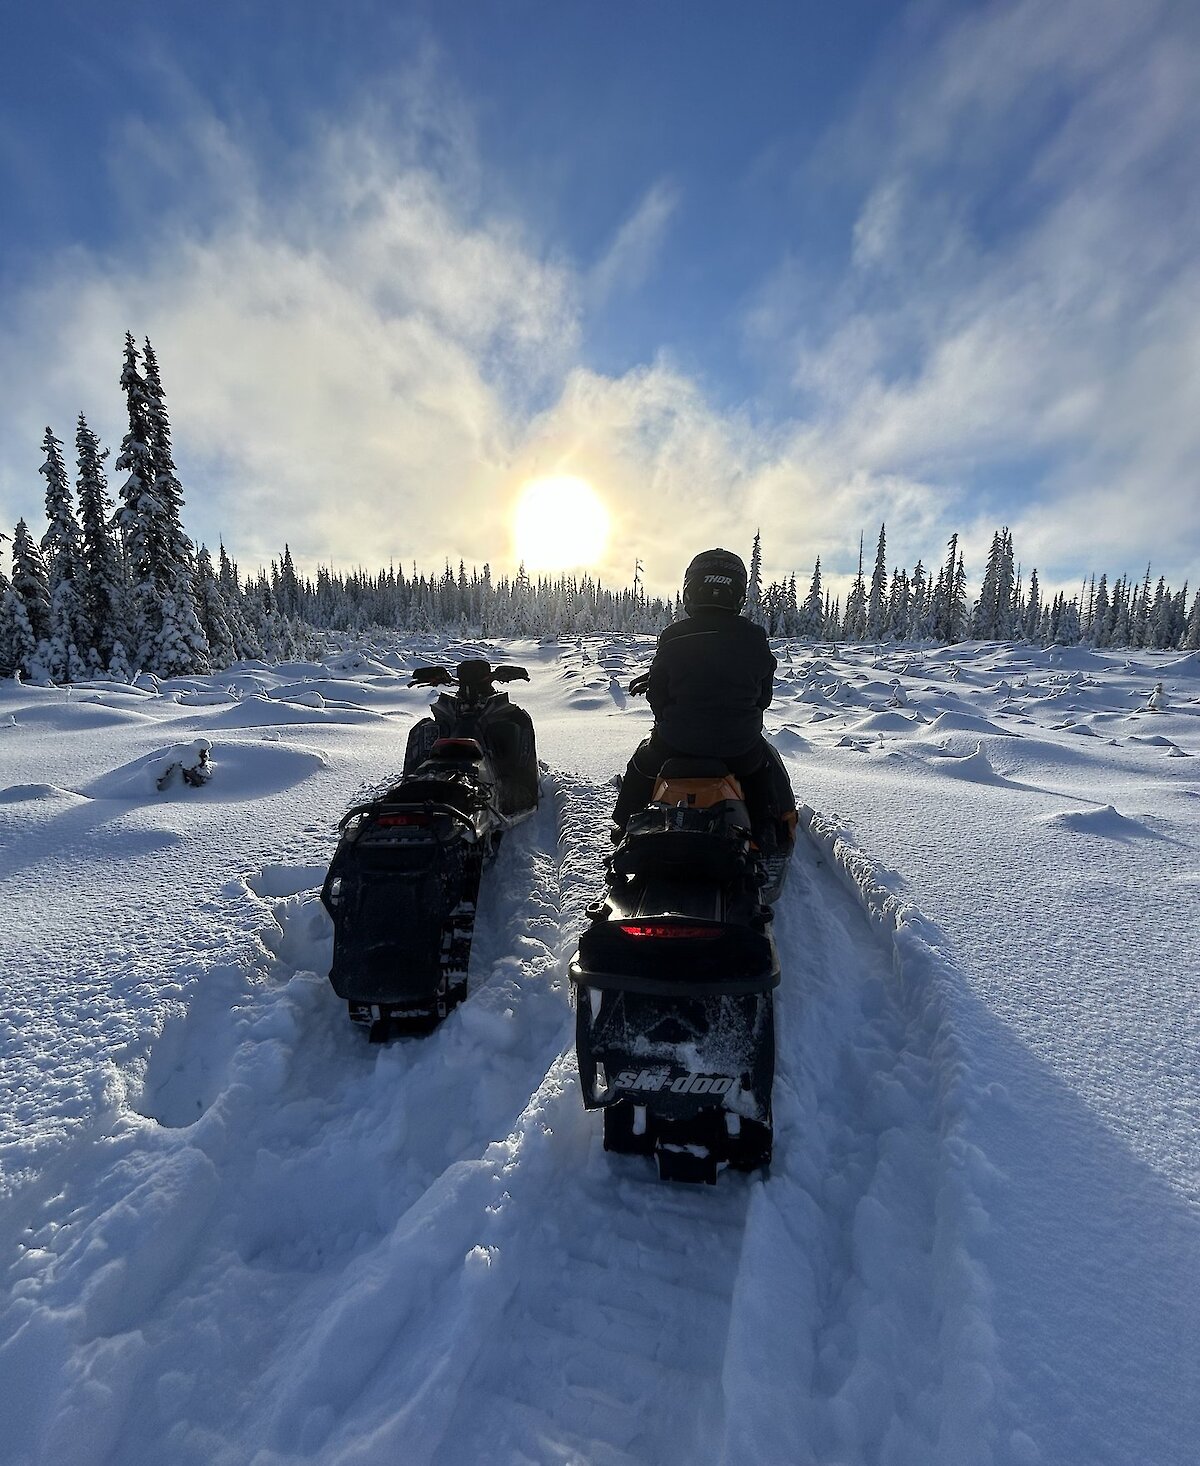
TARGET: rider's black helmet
(715,578)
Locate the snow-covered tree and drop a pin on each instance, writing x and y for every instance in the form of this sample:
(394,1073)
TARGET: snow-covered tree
(182,645)
(214,613)
(100,580)
(1097,630)
(812,614)
(877,599)
(61,544)
(855,624)
(62,553)
(170,639)
(30,583)
(753,610)
(1191,640)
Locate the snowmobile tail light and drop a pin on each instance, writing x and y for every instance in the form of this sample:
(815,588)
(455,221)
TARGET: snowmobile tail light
(402,819)
(660,929)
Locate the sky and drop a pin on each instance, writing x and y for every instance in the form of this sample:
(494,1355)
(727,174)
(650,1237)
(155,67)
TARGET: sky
(795,267)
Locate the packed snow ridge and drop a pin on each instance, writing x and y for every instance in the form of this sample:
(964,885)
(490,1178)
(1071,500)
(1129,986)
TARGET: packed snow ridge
(232,1231)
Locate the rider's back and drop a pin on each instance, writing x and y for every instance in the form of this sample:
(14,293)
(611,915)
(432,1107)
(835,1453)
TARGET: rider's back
(709,682)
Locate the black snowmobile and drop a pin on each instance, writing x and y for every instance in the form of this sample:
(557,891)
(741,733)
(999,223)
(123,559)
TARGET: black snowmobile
(674,980)
(404,880)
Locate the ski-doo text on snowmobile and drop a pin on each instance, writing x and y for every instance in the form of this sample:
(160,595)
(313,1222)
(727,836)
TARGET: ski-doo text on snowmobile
(404,881)
(674,979)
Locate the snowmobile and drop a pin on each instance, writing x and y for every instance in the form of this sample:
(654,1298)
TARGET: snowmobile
(404,881)
(674,980)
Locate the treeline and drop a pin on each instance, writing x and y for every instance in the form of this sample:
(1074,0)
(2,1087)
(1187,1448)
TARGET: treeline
(110,589)
(473,603)
(921,606)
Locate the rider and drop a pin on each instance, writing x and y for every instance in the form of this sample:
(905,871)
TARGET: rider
(710,680)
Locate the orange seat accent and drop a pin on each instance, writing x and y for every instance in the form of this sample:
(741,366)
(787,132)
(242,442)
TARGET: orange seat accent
(697,793)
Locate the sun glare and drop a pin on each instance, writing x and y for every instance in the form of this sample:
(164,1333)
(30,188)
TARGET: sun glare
(560,524)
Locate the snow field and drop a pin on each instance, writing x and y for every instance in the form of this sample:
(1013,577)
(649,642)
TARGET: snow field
(232,1231)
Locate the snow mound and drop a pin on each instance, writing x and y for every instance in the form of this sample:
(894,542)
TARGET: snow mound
(1108,823)
(277,881)
(974,766)
(356,664)
(212,699)
(1078,658)
(887,722)
(1188,666)
(260,711)
(954,721)
(76,715)
(238,771)
(28,793)
(789,740)
(180,765)
(306,697)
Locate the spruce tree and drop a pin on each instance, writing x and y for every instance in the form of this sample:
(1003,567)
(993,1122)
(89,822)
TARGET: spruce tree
(30,583)
(754,586)
(812,617)
(101,587)
(1191,641)
(62,541)
(142,519)
(214,614)
(182,645)
(919,616)
(957,618)
(69,634)
(1141,627)
(1033,608)
(854,627)
(944,609)
(877,601)
(1098,631)
(18,645)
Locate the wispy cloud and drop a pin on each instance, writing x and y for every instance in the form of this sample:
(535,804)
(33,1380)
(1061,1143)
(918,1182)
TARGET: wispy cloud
(635,248)
(1023,284)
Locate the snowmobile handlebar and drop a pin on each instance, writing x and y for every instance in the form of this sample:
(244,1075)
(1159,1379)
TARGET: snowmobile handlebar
(470,673)
(466,672)
(640,685)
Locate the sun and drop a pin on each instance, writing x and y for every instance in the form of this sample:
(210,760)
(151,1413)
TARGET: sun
(560,523)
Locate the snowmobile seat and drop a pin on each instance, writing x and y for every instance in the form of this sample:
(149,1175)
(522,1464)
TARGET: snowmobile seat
(693,768)
(696,852)
(457,750)
(699,841)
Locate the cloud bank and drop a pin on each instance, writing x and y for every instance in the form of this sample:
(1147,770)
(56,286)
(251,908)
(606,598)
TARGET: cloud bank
(368,355)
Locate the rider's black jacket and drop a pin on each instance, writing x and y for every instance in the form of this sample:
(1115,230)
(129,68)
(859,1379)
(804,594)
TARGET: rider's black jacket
(710,680)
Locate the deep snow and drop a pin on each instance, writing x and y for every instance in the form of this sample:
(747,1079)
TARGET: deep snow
(232,1231)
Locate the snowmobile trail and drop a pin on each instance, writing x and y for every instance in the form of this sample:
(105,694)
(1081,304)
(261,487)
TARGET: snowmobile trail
(793,1318)
(602,1334)
(270,1158)
(323,1249)
(858,1323)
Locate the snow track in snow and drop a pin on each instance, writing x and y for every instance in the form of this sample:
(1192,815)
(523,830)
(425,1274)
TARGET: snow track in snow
(297,1245)
(873,1342)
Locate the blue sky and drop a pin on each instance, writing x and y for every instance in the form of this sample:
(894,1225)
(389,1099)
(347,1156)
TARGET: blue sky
(798,266)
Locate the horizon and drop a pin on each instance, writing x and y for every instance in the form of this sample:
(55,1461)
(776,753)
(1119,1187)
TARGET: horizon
(928,265)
